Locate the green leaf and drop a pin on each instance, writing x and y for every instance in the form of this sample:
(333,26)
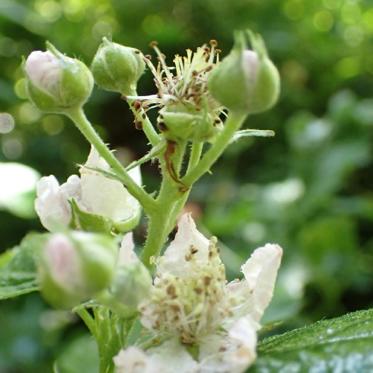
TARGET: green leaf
(238,135)
(18,269)
(343,344)
(80,355)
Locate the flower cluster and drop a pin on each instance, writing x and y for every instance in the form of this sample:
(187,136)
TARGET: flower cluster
(191,306)
(190,318)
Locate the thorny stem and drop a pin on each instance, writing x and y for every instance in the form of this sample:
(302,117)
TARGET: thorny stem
(85,127)
(160,223)
(146,124)
(174,194)
(232,124)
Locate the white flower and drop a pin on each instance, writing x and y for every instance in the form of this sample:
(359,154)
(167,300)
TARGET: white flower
(52,204)
(170,357)
(93,192)
(192,302)
(104,196)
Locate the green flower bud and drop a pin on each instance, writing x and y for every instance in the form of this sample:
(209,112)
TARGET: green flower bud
(75,267)
(117,68)
(246,80)
(55,82)
(177,122)
(131,283)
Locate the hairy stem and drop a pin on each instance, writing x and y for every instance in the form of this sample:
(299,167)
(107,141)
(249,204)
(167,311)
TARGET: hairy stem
(232,124)
(85,127)
(169,195)
(146,124)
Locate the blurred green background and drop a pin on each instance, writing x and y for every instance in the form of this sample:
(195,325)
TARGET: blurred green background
(309,188)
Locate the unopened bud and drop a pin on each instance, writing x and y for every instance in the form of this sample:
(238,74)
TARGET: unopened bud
(182,124)
(75,267)
(131,283)
(55,82)
(246,80)
(117,68)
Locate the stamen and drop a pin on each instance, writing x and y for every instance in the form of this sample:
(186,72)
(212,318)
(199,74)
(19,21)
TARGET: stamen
(161,58)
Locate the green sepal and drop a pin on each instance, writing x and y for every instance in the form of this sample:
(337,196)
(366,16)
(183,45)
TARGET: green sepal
(91,222)
(88,221)
(186,123)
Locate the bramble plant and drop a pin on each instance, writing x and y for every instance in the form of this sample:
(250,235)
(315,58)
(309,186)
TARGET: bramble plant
(187,317)
(170,307)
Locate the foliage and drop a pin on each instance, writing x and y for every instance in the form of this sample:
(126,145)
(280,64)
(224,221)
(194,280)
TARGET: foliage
(340,344)
(312,182)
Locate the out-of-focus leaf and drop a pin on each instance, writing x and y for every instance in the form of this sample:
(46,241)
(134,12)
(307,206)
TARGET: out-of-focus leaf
(18,269)
(17,188)
(342,344)
(80,355)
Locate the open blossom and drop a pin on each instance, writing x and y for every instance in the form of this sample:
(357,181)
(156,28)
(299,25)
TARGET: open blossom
(187,109)
(93,192)
(191,305)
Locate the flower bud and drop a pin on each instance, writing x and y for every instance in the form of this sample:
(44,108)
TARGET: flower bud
(117,68)
(75,267)
(246,80)
(131,283)
(55,82)
(178,123)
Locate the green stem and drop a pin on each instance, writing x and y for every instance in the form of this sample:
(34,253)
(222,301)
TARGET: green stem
(194,158)
(232,124)
(195,155)
(170,194)
(146,124)
(85,127)
(88,320)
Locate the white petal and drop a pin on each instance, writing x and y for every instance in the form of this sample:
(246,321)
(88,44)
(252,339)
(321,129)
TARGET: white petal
(43,70)
(174,258)
(127,253)
(260,273)
(169,357)
(72,187)
(135,174)
(104,196)
(233,352)
(51,204)
(131,360)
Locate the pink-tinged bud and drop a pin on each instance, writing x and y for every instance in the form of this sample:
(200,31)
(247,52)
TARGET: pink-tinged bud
(246,80)
(76,267)
(55,82)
